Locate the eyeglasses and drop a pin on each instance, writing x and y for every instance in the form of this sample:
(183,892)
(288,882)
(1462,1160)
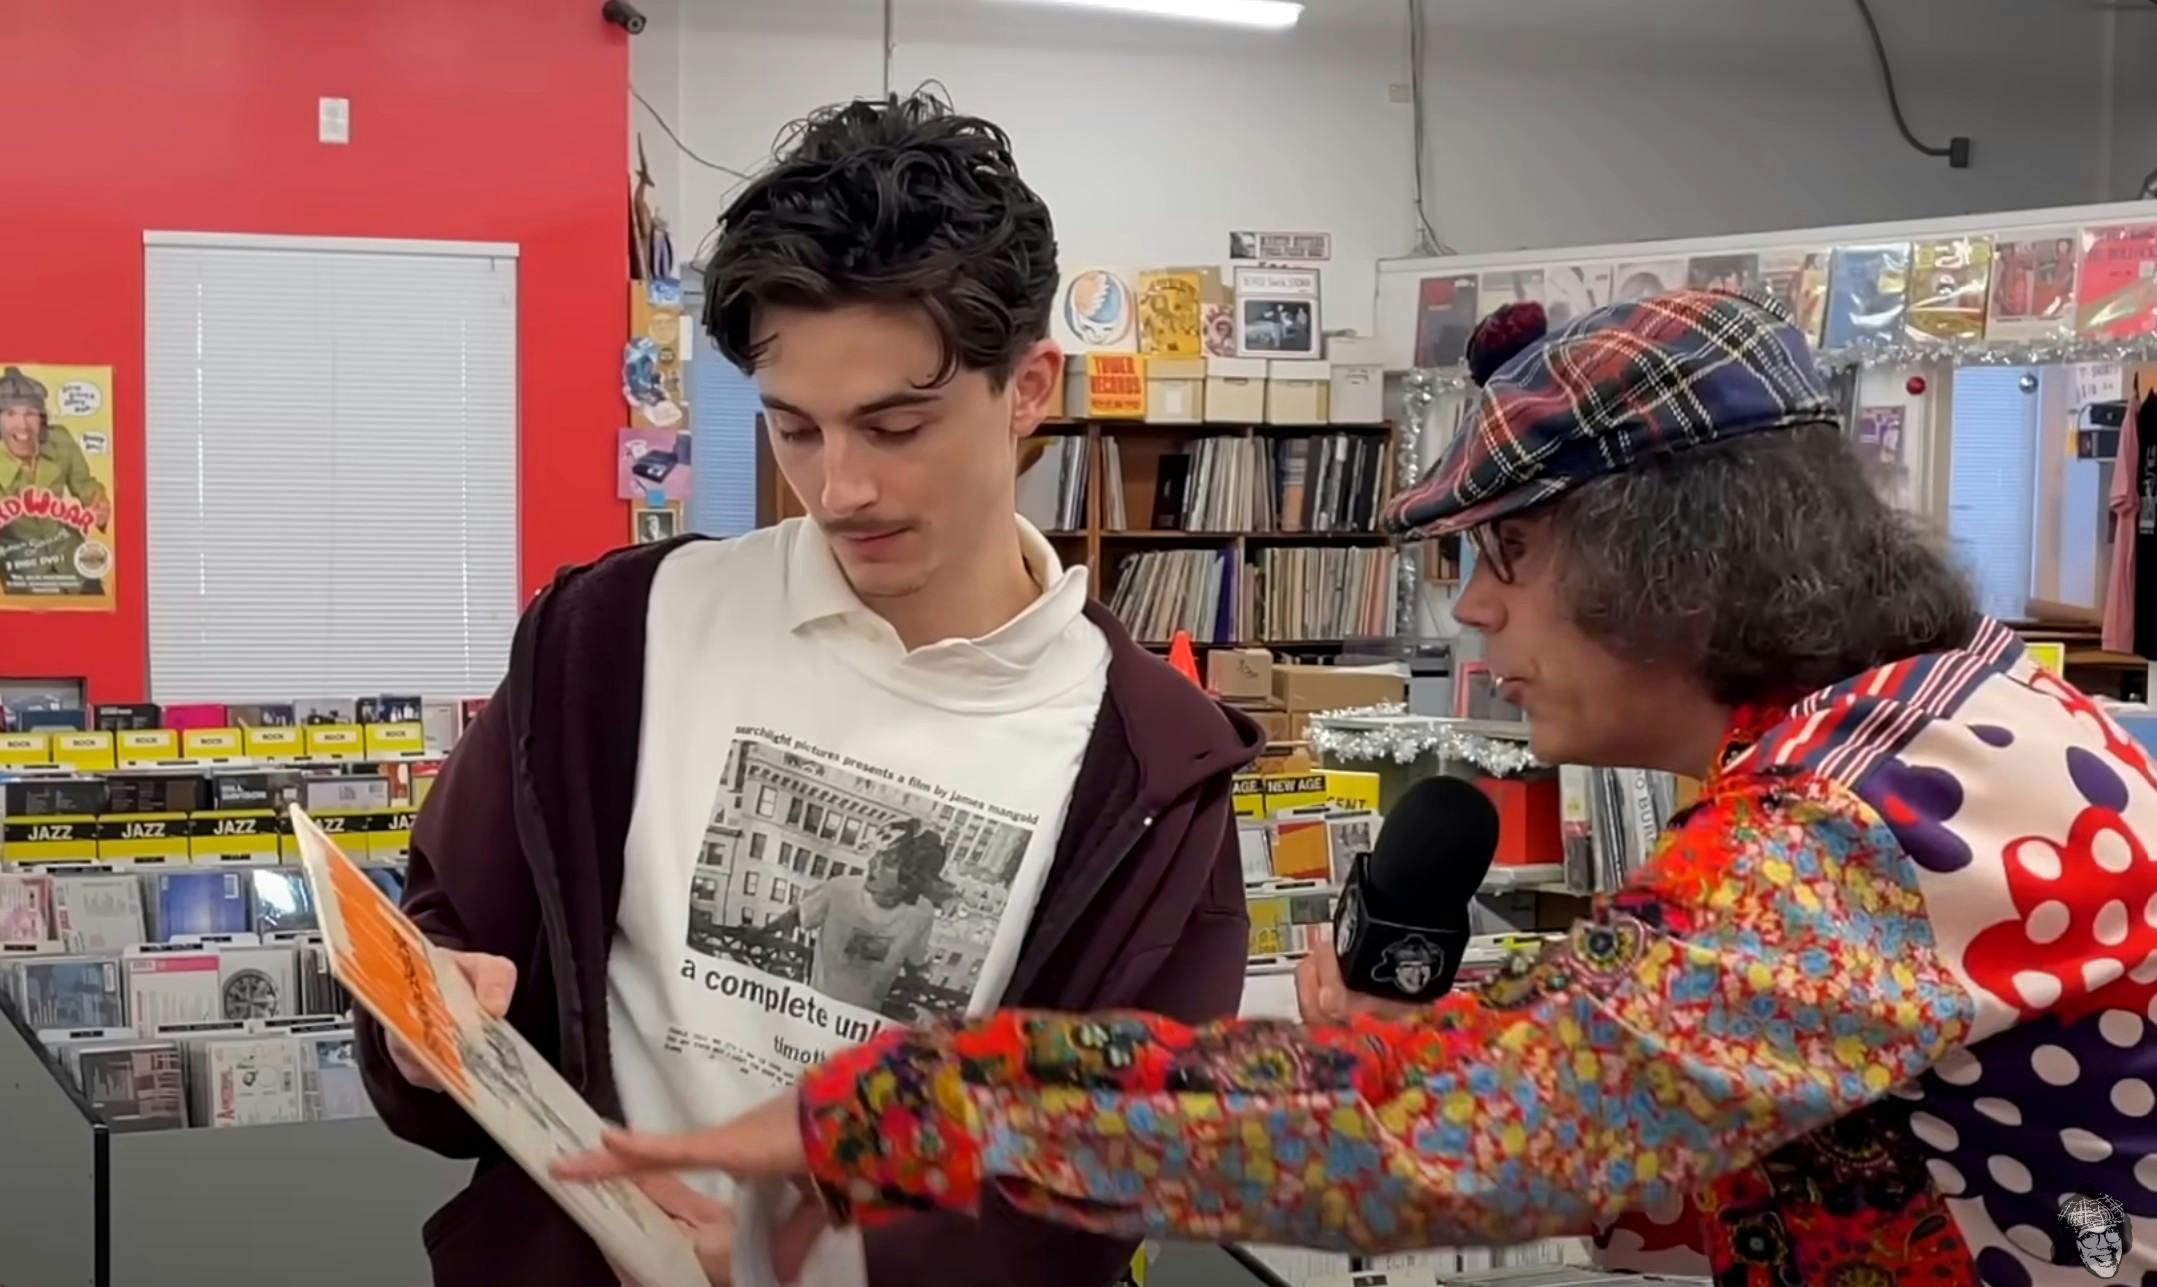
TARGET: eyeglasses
(1491,552)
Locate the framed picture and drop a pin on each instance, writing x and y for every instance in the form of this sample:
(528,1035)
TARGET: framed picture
(1277,313)
(650,524)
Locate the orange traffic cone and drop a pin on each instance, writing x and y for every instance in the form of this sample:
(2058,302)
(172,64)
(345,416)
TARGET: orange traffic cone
(1183,658)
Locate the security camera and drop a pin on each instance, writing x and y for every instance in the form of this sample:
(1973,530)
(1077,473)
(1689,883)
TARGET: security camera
(623,14)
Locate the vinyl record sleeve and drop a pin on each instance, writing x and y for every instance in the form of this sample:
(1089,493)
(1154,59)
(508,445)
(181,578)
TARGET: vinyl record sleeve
(508,1087)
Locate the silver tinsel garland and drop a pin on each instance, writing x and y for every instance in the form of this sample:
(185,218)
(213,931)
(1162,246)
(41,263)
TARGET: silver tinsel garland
(1980,353)
(1390,733)
(1429,384)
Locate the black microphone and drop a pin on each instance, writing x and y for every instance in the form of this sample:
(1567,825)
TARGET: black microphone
(1402,923)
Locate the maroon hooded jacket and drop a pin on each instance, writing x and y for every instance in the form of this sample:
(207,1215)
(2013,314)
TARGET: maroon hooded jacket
(519,853)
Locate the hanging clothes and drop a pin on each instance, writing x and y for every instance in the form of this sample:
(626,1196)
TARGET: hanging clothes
(2128,504)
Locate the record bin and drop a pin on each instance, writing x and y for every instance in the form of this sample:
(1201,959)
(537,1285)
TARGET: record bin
(331,1203)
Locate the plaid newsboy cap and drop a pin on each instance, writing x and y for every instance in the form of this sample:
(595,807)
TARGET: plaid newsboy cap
(1622,383)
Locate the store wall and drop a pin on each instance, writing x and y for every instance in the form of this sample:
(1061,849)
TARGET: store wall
(494,120)
(1570,122)
(1149,140)
(1562,122)
(2134,99)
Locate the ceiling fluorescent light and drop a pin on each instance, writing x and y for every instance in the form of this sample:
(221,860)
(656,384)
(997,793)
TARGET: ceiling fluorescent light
(1275,15)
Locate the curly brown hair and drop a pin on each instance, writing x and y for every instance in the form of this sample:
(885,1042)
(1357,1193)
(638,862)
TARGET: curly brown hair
(897,202)
(1769,565)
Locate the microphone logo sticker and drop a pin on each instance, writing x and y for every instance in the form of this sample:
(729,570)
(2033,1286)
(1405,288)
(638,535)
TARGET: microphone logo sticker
(1411,965)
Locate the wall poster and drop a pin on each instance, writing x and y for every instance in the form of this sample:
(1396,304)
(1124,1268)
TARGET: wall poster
(57,511)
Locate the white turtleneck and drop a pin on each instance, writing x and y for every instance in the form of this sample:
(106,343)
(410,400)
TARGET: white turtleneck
(791,746)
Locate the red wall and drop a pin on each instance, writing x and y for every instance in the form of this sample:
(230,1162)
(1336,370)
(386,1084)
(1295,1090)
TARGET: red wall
(474,120)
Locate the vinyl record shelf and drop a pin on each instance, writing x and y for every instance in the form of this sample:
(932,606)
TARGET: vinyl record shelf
(331,1204)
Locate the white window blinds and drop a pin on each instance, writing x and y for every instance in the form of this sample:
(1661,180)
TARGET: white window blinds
(723,405)
(1992,485)
(331,437)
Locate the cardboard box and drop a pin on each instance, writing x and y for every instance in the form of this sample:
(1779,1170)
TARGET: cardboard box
(1175,391)
(1358,395)
(1301,688)
(1235,390)
(1277,724)
(1240,673)
(1298,393)
(1529,831)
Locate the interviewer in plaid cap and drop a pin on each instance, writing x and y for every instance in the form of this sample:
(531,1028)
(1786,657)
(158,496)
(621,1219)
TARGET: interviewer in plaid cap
(1670,525)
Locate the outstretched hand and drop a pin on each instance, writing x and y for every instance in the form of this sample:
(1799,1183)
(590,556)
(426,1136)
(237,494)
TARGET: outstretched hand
(1322,994)
(763,1144)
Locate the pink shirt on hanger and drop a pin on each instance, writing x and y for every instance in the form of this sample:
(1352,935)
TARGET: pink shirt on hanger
(2125,504)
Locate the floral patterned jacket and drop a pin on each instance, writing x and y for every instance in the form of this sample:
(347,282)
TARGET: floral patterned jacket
(1880,1000)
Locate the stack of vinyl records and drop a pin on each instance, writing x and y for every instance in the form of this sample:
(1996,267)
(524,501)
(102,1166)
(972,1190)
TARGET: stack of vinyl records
(1052,491)
(1306,592)
(1326,484)
(1611,819)
(1164,591)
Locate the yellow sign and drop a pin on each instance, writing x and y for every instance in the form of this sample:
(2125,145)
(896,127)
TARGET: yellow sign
(147,745)
(1115,386)
(396,739)
(58,515)
(276,743)
(59,838)
(19,749)
(335,741)
(233,835)
(144,837)
(83,752)
(1168,314)
(212,744)
(2051,656)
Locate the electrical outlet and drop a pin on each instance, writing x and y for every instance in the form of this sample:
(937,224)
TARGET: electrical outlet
(334,120)
(1400,94)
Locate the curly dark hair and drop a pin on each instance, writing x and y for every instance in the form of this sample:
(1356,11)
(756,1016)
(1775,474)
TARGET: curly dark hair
(901,201)
(1769,565)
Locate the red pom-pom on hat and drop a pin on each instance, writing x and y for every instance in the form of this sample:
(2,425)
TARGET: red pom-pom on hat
(1502,336)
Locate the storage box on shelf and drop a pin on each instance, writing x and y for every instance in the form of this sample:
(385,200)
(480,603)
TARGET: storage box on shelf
(1358,379)
(1235,390)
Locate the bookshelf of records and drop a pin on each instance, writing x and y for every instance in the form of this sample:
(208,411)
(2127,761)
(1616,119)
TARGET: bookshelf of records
(158,939)
(1259,535)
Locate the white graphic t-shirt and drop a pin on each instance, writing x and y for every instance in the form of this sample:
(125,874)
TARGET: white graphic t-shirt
(831,834)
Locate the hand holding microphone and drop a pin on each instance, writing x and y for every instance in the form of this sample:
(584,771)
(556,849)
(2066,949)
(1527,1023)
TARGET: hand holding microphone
(1402,924)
